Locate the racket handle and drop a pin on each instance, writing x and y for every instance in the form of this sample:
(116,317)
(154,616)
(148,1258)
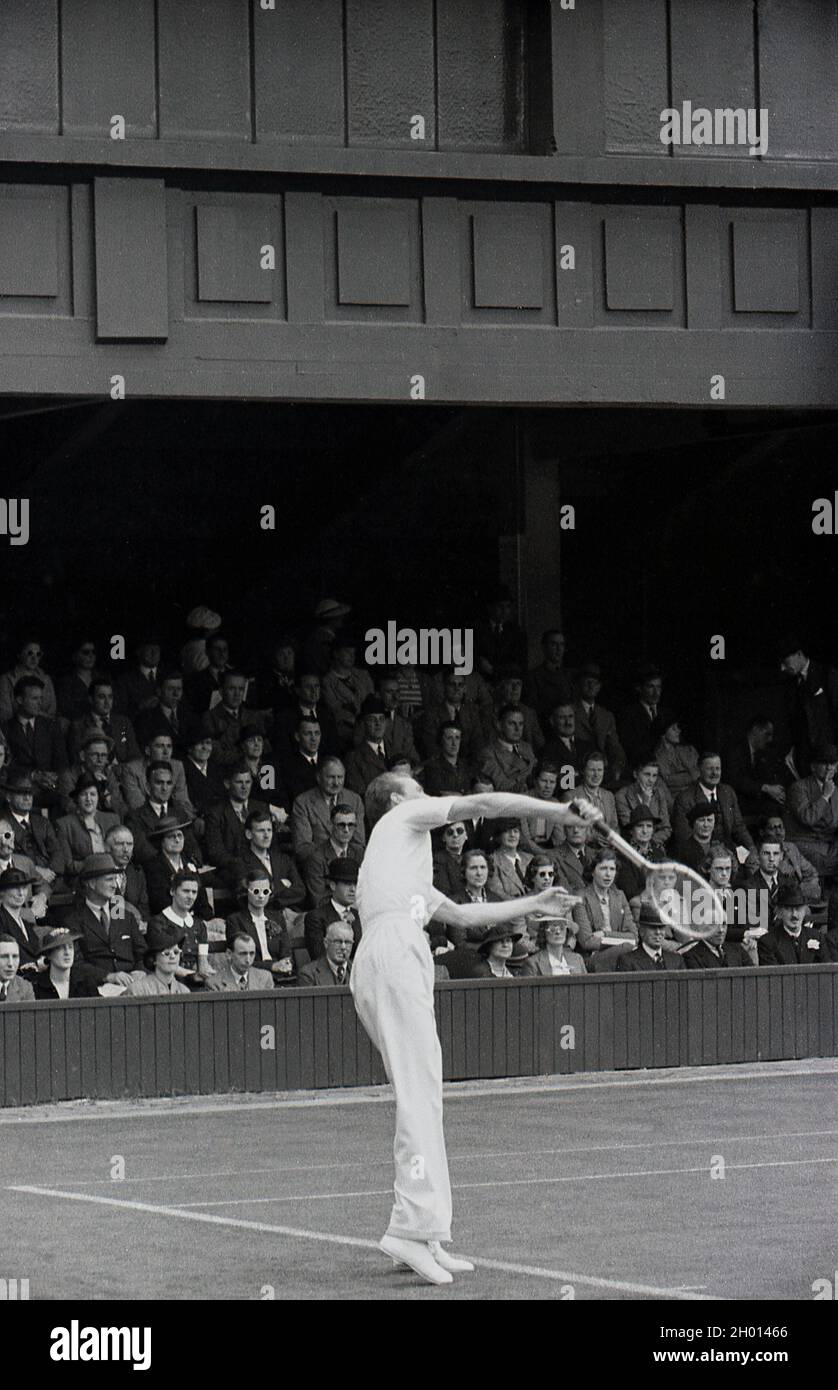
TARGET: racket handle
(575,807)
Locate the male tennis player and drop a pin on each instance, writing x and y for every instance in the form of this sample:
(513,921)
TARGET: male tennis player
(392,983)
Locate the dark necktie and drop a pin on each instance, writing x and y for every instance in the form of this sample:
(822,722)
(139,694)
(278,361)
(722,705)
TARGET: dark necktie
(4,985)
(341,974)
(519,871)
(30,735)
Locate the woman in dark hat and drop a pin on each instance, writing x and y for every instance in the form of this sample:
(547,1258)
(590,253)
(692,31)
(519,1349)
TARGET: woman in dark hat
(162,961)
(167,839)
(64,978)
(15,892)
(494,952)
(448,860)
(83,831)
(181,916)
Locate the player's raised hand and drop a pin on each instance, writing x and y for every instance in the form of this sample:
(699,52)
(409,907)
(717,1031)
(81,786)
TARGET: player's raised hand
(582,812)
(555,900)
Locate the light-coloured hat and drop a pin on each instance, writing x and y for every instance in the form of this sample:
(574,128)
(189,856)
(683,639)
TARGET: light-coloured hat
(331,608)
(203,617)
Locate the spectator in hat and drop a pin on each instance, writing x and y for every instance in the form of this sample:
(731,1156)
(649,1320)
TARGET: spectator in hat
(645,791)
(520,963)
(73,690)
(275,686)
(254,752)
(639,832)
(446,773)
(95,759)
(703,828)
(182,912)
(811,702)
(572,858)
(159,804)
(15,920)
(509,759)
(309,705)
(34,835)
(172,857)
(110,940)
(813,812)
(162,958)
(452,708)
(35,740)
(549,684)
(341,844)
(345,687)
(398,731)
(236,971)
(494,952)
(166,713)
(28,663)
(10,859)
(591,787)
(650,953)
(554,953)
(203,774)
(99,718)
(342,883)
(369,758)
(267,928)
(333,967)
(311,815)
(135,774)
(224,722)
(139,684)
(262,854)
(642,723)
(794,866)
(203,688)
(603,916)
(710,787)
(14,989)
(508,690)
(83,831)
(756,772)
(565,748)
(317,647)
(509,864)
(791,940)
(677,761)
(448,858)
(595,724)
(201,623)
(64,976)
(225,821)
(542,832)
(119,843)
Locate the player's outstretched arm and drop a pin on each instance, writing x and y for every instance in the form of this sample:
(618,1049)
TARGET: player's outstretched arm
(497,804)
(496,914)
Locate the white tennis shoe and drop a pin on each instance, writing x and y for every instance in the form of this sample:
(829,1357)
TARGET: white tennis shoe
(417,1257)
(450,1262)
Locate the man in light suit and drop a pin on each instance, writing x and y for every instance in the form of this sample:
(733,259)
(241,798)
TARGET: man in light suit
(311,814)
(333,968)
(509,760)
(594,723)
(134,775)
(338,846)
(13,990)
(813,806)
(235,971)
(646,791)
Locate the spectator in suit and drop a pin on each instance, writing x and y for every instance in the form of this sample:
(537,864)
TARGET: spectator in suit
(16,921)
(565,748)
(710,787)
(604,910)
(182,913)
(740,926)
(64,977)
(554,954)
(398,731)
(166,713)
(643,723)
(596,725)
(139,685)
(10,859)
(83,832)
(540,832)
(703,828)
(110,940)
(453,709)
(448,859)
(592,789)
(311,816)
(644,791)
(344,824)
(811,703)
(508,863)
(508,691)
(791,940)
(159,804)
(650,954)
(135,775)
(236,970)
(677,761)
(639,832)
(13,988)
(333,967)
(224,722)
(446,773)
(549,684)
(345,687)
(203,775)
(756,773)
(203,688)
(509,760)
(767,876)
(172,856)
(300,767)
(254,751)
(99,718)
(73,694)
(263,855)
(119,843)
(95,759)
(35,740)
(162,959)
(266,928)
(34,835)
(308,704)
(498,639)
(494,952)
(339,907)
(368,759)
(813,812)
(224,833)
(714,952)
(275,687)
(28,664)
(793,865)
(572,858)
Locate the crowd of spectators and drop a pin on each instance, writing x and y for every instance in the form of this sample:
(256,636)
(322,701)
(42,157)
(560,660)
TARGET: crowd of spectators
(188,823)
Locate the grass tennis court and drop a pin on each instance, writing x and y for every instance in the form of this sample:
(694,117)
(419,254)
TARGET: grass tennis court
(600,1182)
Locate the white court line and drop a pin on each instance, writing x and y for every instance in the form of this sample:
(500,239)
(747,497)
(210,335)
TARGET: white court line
(459,1158)
(563,1086)
(559,1275)
(510,1182)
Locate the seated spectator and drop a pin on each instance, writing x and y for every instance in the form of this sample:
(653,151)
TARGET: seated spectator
(166,713)
(171,856)
(99,718)
(64,977)
(345,687)
(339,907)
(713,952)
(565,748)
(446,773)
(135,775)
(477,696)
(255,751)
(508,691)
(15,921)
(573,858)
(10,859)
(181,914)
(702,821)
(813,812)
(520,963)
(333,967)
(710,787)
(603,917)
(756,772)
(35,740)
(83,832)
(793,865)
(498,639)
(14,989)
(201,623)
(398,731)
(307,704)
(368,759)
(311,817)
(473,889)
(34,835)
(203,688)
(642,724)
(203,775)
(639,832)
(344,824)
(267,929)
(73,692)
(741,930)
(540,873)
(767,876)
(592,789)
(28,659)
(110,941)
(541,832)
(319,640)
(132,886)
(159,804)
(300,767)
(554,956)
(263,855)
(224,722)
(494,952)
(549,684)
(453,708)
(95,759)
(644,791)
(650,954)
(236,970)
(224,823)
(138,686)
(596,725)
(481,830)
(677,761)
(508,863)
(509,760)
(162,959)
(448,859)
(275,686)
(791,940)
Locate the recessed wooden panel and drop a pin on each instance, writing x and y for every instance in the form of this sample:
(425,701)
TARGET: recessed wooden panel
(766,268)
(298,68)
(230,242)
(481,74)
(132,298)
(639,262)
(373,251)
(204,58)
(29,65)
(390,71)
(28,246)
(636,64)
(508,257)
(108,67)
(712,54)
(798,62)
